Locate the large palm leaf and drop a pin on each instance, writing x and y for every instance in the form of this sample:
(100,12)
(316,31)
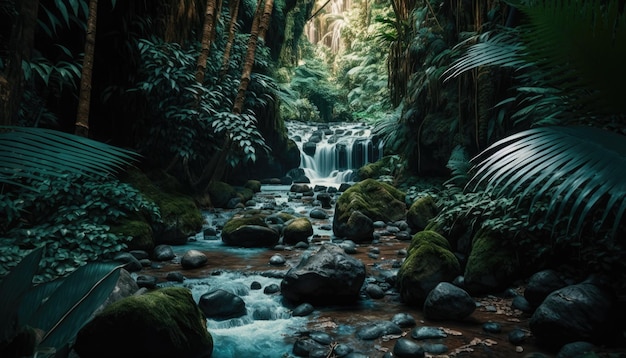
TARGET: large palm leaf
(37,154)
(576,170)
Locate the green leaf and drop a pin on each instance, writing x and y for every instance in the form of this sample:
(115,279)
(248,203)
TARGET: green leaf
(13,287)
(74,301)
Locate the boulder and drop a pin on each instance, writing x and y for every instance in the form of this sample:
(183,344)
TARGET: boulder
(491,265)
(250,231)
(541,284)
(297,230)
(327,276)
(162,323)
(581,312)
(448,302)
(428,263)
(371,199)
(221,304)
(193,259)
(421,212)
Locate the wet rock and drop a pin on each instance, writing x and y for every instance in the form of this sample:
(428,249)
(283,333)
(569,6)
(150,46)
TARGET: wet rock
(277,260)
(576,350)
(149,282)
(297,230)
(175,276)
(321,337)
(342,350)
(193,259)
(427,332)
(304,345)
(374,291)
(131,264)
(377,329)
(325,200)
(434,348)
(302,310)
(139,254)
(271,289)
(403,320)
(255,285)
(520,303)
(328,275)
(517,336)
(492,327)
(163,252)
(448,302)
(318,214)
(541,284)
(581,312)
(405,348)
(221,304)
(251,236)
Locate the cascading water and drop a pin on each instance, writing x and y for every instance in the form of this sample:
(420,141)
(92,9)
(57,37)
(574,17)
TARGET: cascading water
(331,152)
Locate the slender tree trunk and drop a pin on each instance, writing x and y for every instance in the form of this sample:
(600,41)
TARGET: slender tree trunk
(234,12)
(21,47)
(207,33)
(84,97)
(259,25)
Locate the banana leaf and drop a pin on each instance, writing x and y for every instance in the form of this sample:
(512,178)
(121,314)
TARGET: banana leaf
(13,288)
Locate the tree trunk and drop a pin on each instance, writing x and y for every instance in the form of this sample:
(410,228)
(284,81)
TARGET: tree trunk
(234,12)
(21,47)
(248,64)
(207,33)
(84,97)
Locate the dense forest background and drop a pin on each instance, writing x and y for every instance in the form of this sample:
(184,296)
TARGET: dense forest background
(516,105)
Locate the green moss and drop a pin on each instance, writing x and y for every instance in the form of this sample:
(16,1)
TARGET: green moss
(162,308)
(385,166)
(234,223)
(285,216)
(221,193)
(428,237)
(429,257)
(253,185)
(421,212)
(491,265)
(300,225)
(376,200)
(245,194)
(177,208)
(140,232)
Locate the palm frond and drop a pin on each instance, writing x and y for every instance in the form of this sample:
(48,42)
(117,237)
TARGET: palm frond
(502,49)
(573,169)
(38,153)
(580,45)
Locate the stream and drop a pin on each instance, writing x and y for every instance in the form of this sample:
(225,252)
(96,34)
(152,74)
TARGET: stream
(269,329)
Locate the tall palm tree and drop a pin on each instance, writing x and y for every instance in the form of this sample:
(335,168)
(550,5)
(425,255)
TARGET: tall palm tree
(569,58)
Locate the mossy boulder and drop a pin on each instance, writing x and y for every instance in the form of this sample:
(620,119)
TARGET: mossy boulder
(180,216)
(140,232)
(491,265)
(297,230)
(249,231)
(428,263)
(162,323)
(385,166)
(429,237)
(221,193)
(421,212)
(253,185)
(372,199)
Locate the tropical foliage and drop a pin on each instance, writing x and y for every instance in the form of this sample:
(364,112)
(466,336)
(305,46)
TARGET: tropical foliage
(43,319)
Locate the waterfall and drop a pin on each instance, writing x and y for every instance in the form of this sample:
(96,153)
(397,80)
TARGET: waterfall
(331,152)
